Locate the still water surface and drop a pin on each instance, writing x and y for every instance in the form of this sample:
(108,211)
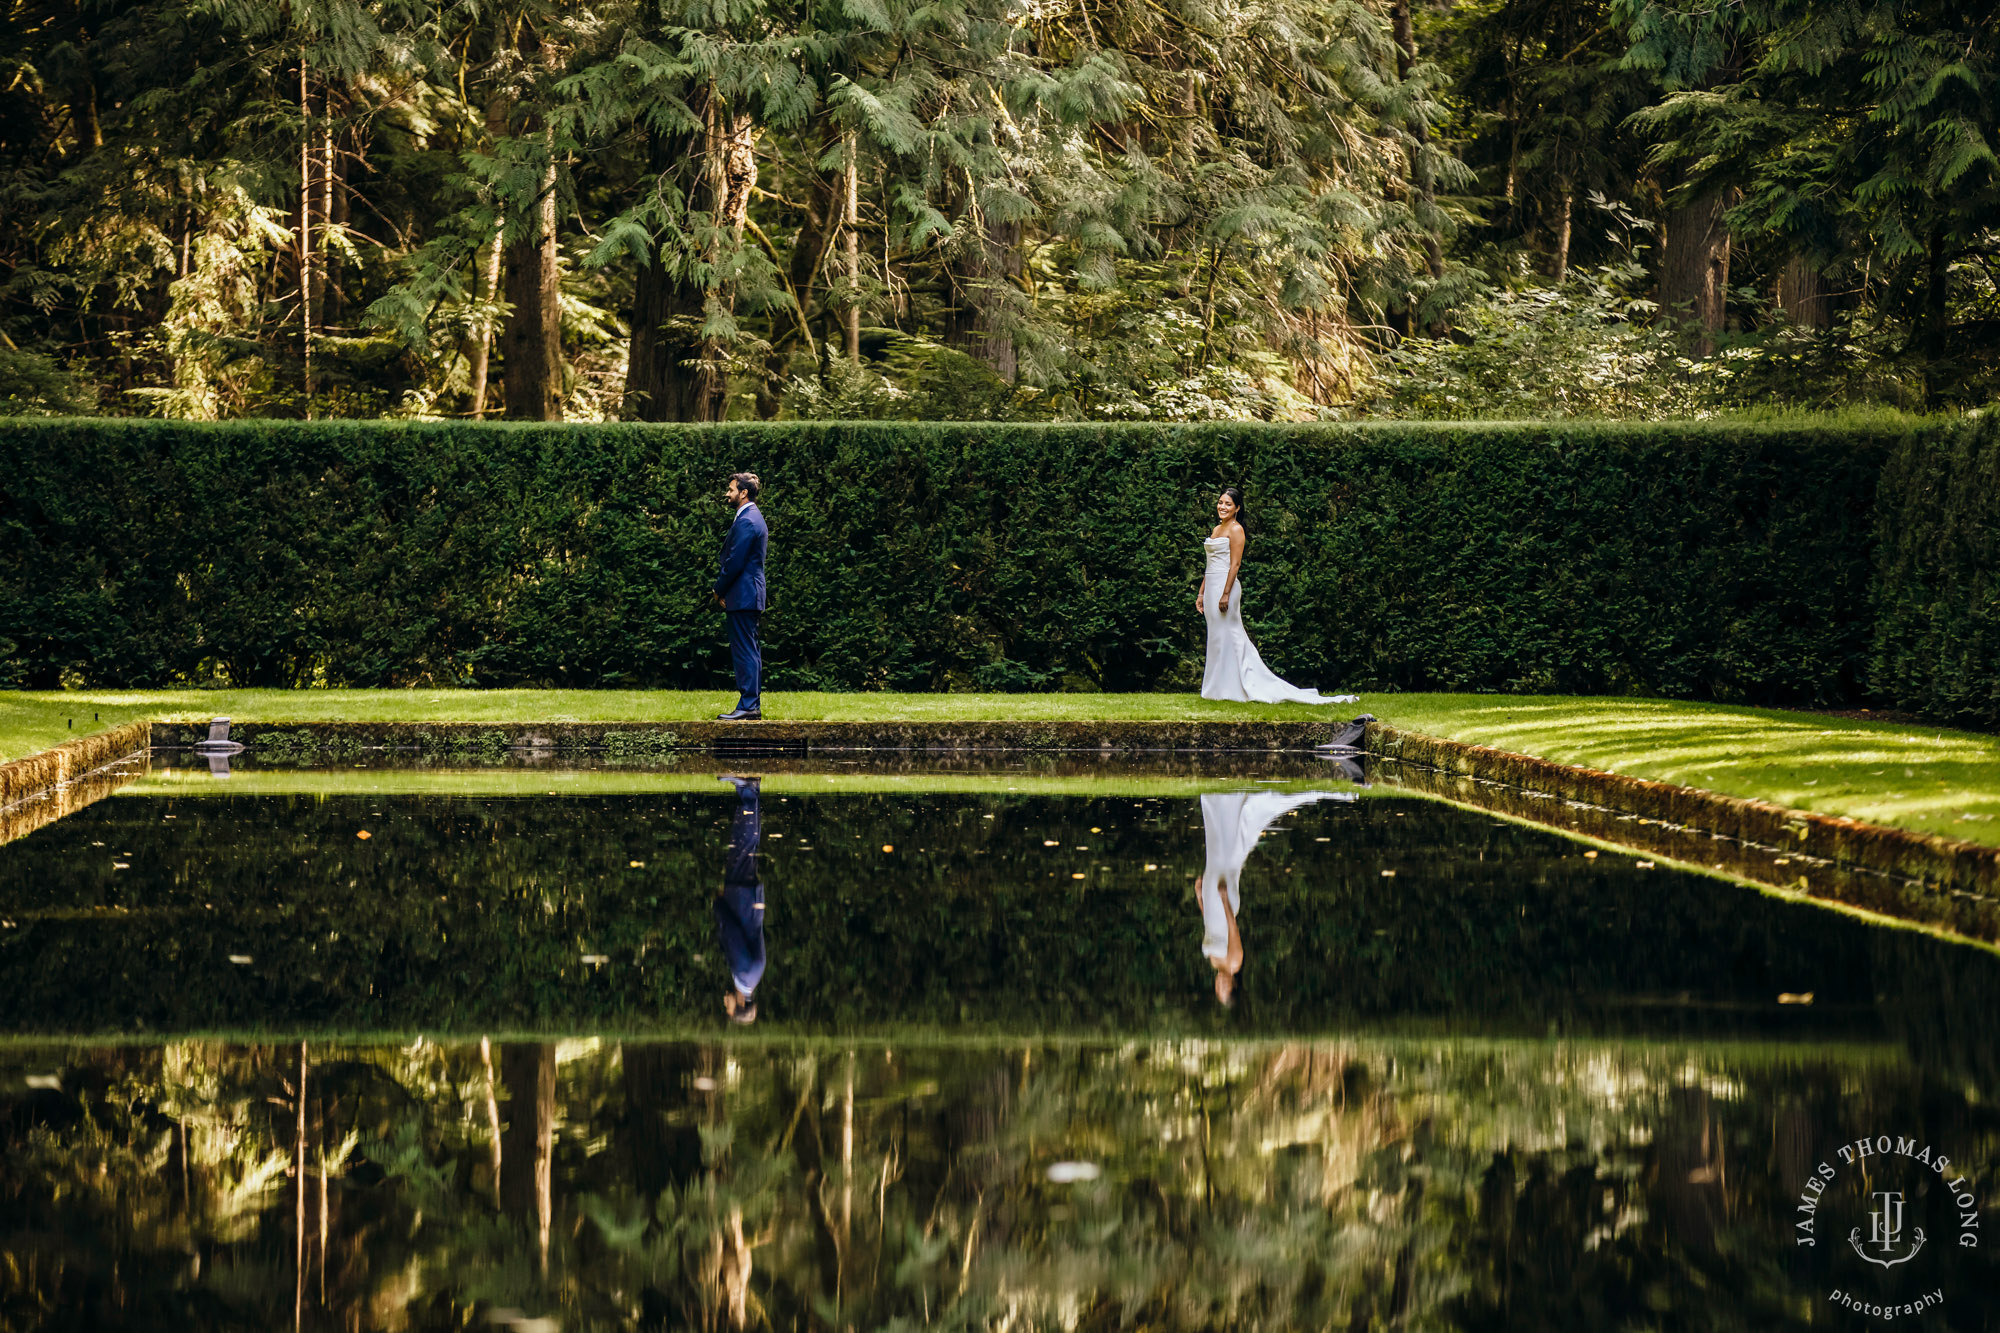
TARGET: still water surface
(991,1083)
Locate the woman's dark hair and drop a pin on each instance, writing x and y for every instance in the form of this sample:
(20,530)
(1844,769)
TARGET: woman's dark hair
(747,482)
(1235,493)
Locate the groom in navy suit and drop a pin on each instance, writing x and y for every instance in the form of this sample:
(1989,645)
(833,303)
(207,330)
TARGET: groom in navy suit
(739,591)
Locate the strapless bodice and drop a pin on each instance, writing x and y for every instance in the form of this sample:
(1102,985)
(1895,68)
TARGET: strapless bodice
(1214,544)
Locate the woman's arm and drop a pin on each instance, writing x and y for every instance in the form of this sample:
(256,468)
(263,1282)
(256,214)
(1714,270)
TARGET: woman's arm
(1233,955)
(1235,563)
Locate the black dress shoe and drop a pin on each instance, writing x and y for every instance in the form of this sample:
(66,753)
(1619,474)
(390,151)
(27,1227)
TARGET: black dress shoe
(738,715)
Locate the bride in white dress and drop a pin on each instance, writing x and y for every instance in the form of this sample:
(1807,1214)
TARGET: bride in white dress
(1235,671)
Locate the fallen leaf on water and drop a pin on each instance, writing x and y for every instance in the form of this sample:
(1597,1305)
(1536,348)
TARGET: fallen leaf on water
(1795,997)
(637,865)
(598,959)
(121,865)
(240,959)
(703,1083)
(364,835)
(1645,865)
(888,847)
(1388,874)
(1590,856)
(1068,1173)
(1077,875)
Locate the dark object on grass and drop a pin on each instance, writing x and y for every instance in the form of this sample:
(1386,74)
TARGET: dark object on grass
(1350,736)
(218,742)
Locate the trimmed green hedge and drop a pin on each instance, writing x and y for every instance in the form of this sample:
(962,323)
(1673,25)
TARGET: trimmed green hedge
(1678,559)
(1937,628)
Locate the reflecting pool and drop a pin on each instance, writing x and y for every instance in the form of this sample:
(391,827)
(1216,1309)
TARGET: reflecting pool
(330,902)
(830,1047)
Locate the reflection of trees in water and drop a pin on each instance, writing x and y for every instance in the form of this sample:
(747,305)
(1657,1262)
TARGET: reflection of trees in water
(724,1187)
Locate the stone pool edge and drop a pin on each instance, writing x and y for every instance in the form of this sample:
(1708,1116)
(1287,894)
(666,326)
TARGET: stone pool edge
(38,772)
(1915,877)
(282,739)
(49,784)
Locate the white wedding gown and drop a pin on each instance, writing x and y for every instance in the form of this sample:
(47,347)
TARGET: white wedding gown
(1231,824)
(1235,671)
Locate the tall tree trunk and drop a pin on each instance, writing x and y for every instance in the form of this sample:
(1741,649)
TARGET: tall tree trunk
(532,338)
(1934,329)
(672,372)
(1694,268)
(324,254)
(809,251)
(660,370)
(479,342)
(1403,28)
(1562,234)
(90,131)
(1802,294)
(479,339)
(732,169)
(308,297)
(990,258)
(850,218)
(527,1145)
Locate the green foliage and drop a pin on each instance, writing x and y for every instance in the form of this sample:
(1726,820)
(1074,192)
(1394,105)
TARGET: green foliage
(1592,347)
(1250,170)
(1583,349)
(34,386)
(1684,560)
(1858,137)
(1937,636)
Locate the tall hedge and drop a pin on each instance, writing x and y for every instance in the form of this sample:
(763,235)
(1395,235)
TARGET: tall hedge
(1725,561)
(1937,629)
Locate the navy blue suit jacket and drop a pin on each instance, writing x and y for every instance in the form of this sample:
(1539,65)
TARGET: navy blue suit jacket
(740,580)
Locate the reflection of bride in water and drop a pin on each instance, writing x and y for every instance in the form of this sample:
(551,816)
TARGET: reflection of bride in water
(1232,822)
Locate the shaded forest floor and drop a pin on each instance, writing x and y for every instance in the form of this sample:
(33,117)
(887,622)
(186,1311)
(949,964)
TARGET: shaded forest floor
(1899,773)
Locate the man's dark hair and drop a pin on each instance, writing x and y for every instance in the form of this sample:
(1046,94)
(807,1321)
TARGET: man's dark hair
(747,483)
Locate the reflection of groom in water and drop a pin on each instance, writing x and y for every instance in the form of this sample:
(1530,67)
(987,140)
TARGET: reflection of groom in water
(739,907)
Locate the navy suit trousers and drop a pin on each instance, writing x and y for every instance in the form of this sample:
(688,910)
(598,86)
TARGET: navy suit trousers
(748,660)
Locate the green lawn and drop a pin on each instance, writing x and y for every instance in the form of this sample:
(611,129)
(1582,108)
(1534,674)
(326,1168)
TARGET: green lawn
(1919,778)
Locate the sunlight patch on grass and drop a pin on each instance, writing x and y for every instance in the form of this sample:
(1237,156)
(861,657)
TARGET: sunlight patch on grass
(1930,780)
